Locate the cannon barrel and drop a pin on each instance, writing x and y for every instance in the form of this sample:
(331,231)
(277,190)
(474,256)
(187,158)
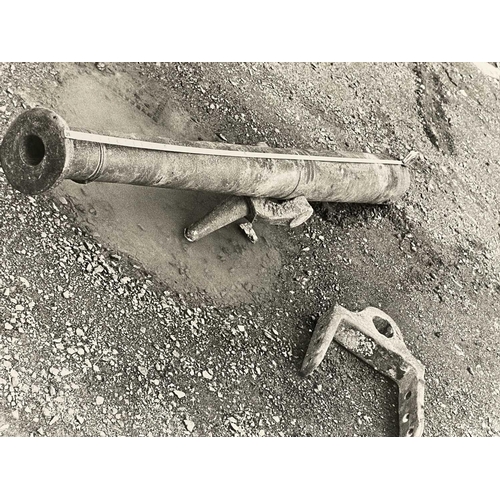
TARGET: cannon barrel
(39,150)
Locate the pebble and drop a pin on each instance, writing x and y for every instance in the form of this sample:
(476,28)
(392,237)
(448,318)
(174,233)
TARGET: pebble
(99,400)
(24,281)
(189,425)
(234,427)
(179,394)
(8,326)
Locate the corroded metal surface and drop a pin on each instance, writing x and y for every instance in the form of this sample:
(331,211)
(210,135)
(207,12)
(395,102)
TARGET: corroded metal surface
(39,150)
(375,338)
(281,213)
(230,210)
(291,213)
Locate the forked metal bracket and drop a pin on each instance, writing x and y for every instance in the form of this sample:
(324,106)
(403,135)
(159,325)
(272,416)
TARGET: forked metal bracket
(374,337)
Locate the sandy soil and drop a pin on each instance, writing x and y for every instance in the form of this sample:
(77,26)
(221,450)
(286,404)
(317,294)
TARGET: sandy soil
(112,324)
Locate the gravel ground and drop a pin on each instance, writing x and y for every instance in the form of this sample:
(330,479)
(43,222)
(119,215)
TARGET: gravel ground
(93,342)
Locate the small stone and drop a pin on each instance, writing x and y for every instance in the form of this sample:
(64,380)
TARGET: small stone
(249,231)
(207,375)
(189,425)
(179,394)
(99,400)
(15,414)
(80,419)
(100,66)
(54,371)
(234,427)
(143,371)
(241,328)
(24,281)
(65,372)
(8,326)
(66,294)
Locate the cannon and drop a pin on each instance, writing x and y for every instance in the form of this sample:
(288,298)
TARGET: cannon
(39,150)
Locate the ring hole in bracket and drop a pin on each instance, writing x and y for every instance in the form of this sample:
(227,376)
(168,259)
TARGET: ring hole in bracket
(410,432)
(406,418)
(32,150)
(408,395)
(383,326)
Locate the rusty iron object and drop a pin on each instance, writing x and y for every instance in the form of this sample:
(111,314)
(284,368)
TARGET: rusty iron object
(290,213)
(374,337)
